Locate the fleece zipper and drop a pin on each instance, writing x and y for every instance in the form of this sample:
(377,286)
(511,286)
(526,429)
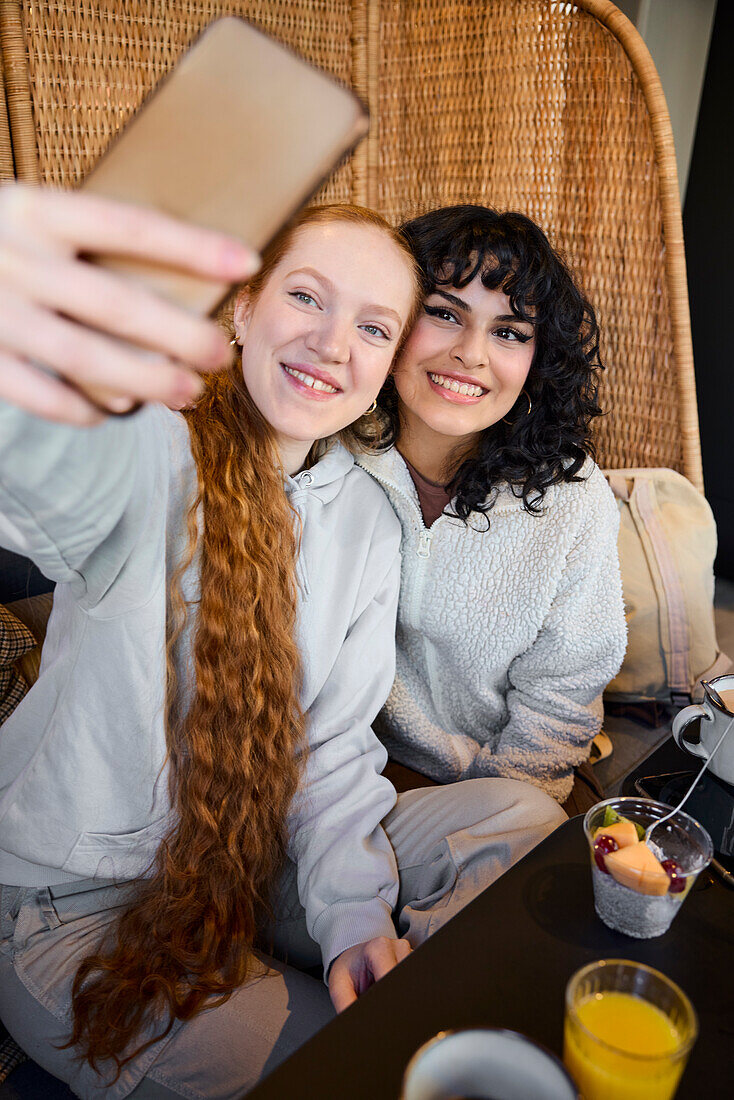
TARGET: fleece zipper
(423,549)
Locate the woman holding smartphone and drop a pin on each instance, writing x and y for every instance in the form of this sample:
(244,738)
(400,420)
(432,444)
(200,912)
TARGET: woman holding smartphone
(511,620)
(221,639)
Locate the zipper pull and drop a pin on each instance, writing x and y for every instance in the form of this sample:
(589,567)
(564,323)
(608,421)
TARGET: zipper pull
(424,544)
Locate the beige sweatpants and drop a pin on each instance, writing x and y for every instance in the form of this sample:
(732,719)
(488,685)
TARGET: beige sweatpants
(450,843)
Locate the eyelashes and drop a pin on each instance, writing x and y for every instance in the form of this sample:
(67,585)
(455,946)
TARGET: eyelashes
(506,332)
(376,331)
(517,334)
(441,312)
(371,328)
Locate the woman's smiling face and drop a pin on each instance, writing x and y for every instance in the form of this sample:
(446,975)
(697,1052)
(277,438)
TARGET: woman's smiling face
(319,338)
(465,362)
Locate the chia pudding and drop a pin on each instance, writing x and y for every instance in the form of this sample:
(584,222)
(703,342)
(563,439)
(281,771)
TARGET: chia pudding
(635,914)
(640,886)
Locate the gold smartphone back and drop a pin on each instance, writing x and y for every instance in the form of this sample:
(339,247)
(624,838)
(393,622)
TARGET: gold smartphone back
(237,138)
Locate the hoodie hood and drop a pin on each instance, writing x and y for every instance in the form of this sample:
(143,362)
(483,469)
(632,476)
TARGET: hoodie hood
(309,491)
(325,477)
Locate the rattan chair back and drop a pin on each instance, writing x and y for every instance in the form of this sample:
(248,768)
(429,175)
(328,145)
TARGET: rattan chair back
(543,106)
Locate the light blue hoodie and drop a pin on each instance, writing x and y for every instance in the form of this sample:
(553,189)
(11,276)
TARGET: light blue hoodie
(83,777)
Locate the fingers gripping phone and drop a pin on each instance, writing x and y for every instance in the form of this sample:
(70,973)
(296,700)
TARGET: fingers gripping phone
(237,138)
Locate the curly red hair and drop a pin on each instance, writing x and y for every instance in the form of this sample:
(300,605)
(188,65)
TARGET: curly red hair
(185,941)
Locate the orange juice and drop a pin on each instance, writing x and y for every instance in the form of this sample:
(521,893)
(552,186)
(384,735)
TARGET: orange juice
(625,1049)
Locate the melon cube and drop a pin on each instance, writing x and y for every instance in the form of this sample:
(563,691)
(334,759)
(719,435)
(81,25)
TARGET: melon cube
(636,867)
(624,832)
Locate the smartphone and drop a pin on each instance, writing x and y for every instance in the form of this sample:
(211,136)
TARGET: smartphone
(236,138)
(711,802)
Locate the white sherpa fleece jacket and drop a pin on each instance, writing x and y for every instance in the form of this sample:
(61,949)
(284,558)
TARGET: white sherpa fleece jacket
(506,638)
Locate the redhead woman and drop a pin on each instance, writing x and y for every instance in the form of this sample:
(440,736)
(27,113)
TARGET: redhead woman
(193,780)
(511,620)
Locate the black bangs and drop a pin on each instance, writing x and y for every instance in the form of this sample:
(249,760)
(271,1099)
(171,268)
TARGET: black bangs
(511,253)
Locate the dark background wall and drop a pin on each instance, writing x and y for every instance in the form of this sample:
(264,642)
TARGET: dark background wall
(708,224)
(19,578)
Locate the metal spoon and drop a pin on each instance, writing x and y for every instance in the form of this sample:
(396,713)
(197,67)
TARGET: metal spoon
(684,799)
(709,687)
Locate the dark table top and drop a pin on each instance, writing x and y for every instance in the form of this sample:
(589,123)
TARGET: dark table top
(666,758)
(504,962)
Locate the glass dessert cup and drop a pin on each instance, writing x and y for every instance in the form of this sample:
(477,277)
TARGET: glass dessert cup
(628,1031)
(641,897)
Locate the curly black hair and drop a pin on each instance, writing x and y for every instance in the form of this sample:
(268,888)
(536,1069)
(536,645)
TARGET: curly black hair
(509,252)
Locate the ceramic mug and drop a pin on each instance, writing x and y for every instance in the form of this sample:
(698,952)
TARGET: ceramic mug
(485,1064)
(714,720)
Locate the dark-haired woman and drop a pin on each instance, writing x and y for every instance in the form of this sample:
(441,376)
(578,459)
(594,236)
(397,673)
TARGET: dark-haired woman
(511,620)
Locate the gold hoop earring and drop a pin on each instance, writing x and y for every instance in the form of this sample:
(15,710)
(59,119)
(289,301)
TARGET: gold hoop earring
(233,341)
(371,409)
(530,405)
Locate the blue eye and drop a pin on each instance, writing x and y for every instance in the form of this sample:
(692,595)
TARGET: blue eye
(303,296)
(375,330)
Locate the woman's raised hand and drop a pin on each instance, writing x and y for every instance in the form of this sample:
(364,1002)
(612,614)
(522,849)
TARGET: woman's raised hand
(68,326)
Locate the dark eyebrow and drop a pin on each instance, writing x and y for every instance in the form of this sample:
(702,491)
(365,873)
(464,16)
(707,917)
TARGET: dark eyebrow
(514,317)
(458,302)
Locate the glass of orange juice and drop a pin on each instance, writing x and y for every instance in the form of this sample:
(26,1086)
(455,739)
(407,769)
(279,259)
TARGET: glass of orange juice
(628,1031)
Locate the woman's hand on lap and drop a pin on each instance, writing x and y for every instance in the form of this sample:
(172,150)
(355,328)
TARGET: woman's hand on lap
(92,330)
(359,967)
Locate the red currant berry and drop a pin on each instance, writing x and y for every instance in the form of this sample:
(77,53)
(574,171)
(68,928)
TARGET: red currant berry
(603,845)
(676,876)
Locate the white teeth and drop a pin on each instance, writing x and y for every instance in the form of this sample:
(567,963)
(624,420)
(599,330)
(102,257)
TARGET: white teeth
(309,380)
(463,388)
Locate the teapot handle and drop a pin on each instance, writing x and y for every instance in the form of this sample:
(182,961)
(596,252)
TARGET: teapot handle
(681,721)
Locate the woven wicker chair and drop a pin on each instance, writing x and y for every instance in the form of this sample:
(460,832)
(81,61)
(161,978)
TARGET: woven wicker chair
(544,106)
(547,107)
